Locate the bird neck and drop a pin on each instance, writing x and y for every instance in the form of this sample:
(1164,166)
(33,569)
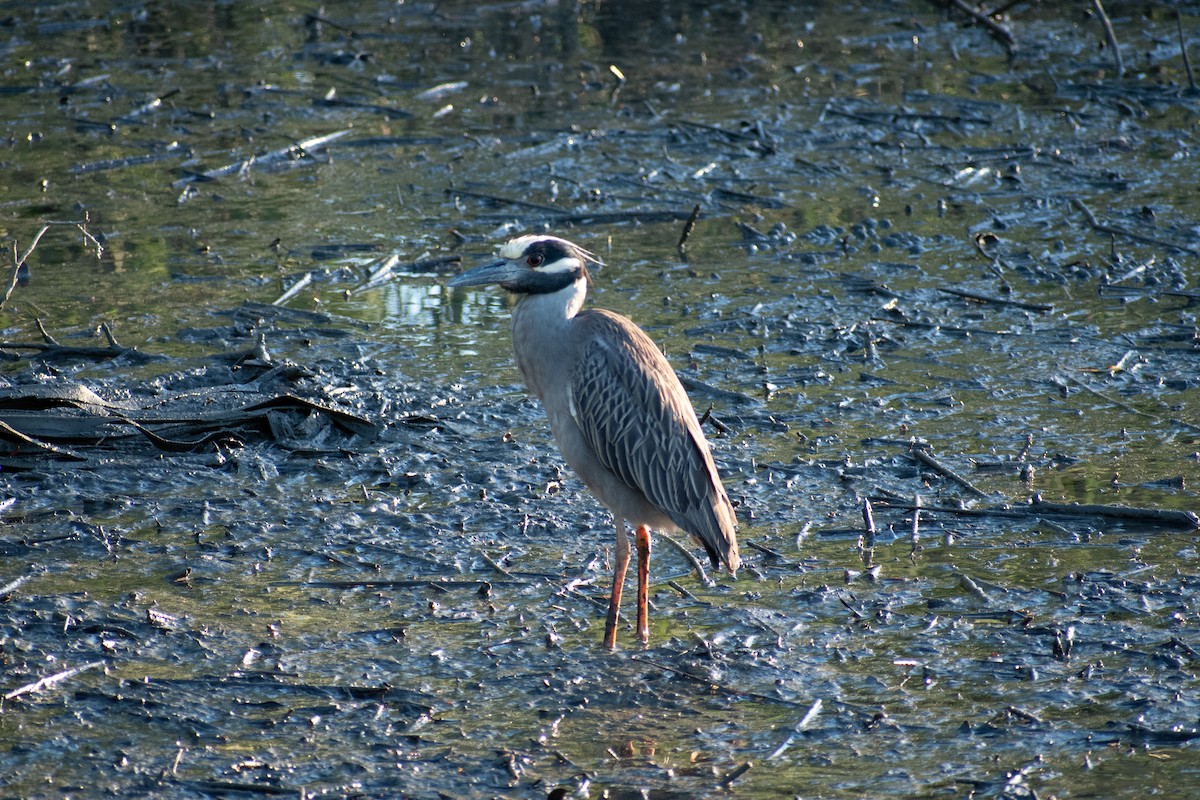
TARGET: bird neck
(541,331)
(548,308)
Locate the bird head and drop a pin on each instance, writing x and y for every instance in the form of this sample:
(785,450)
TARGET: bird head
(533,264)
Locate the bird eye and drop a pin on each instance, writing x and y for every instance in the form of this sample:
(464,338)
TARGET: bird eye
(535,260)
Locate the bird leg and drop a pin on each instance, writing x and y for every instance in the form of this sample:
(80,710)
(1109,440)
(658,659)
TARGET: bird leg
(614,600)
(641,539)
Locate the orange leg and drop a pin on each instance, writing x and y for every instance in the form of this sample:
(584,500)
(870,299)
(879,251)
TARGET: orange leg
(614,600)
(641,539)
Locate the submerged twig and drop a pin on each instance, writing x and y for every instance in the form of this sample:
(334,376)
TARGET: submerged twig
(688,228)
(974,588)
(294,289)
(51,681)
(866,543)
(1001,301)
(412,583)
(997,31)
(50,347)
(151,105)
(1111,37)
(507,201)
(1187,62)
(1161,517)
(1114,230)
(1131,409)
(736,773)
(390,266)
(804,722)
(922,453)
(19,262)
(700,387)
(296,150)
(11,434)
(915,536)
(695,562)
(674,584)
(11,587)
(912,323)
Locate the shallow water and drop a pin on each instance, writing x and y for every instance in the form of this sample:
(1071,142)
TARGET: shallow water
(419,613)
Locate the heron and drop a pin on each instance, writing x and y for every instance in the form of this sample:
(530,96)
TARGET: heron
(620,416)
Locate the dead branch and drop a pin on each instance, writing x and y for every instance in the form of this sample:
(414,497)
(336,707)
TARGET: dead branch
(984,20)
(1113,230)
(1187,62)
(18,263)
(922,453)
(701,575)
(50,347)
(50,681)
(1111,37)
(1159,517)
(688,228)
(1131,409)
(983,298)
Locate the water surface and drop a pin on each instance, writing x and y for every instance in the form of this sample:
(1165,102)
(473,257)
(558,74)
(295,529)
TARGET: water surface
(419,613)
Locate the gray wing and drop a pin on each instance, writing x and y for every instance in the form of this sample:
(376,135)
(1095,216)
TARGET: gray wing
(637,418)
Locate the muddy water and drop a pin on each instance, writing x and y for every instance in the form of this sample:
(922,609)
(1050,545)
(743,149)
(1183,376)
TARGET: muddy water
(417,613)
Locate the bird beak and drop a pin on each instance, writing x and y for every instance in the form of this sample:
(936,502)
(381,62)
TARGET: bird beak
(497,272)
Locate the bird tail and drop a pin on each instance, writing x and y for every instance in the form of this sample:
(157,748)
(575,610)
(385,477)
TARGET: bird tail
(719,537)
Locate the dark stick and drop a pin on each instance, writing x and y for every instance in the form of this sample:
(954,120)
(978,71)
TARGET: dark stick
(701,575)
(925,457)
(982,298)
(916,526)
(1164,517)
(1113,230)
(907,323)
(11,434)
(1187,62)
(735,774)
(674,584)
(1131,409)
(381,583)
(688,228)
(997,31)
(497,199)
(310,19)
(1111,36)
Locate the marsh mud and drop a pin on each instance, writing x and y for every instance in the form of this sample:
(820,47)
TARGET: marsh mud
(279,519)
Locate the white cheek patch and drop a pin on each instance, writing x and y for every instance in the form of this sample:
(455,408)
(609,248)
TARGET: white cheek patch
(568,264)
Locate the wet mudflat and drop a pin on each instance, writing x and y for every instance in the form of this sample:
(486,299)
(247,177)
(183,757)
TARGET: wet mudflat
(280,519)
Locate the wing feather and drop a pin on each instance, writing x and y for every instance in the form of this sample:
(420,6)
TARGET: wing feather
(636,417)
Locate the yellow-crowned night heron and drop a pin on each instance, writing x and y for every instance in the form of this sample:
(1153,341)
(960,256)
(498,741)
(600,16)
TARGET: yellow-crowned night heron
(622,420)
